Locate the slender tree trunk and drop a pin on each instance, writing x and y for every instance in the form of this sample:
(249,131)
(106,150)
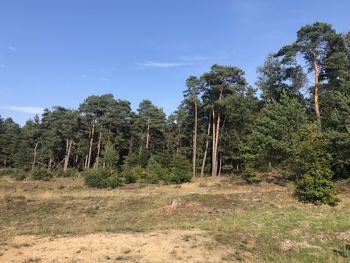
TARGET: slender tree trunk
(91,142)
(220,165)
(50,163)
(213,168)
(206,148)
(216,129)
(34,156)
(148,134)
(317,109)
(98,151)
(217,138)
(66,158)
(86,161)
(194,157)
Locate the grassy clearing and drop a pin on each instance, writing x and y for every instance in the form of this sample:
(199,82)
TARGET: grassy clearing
(254,223)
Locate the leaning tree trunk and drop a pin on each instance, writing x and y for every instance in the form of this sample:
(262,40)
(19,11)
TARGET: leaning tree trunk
(194,157)
(317,109)
(91,142)
(34,156)
(148,134)
(66,158)
(206,148)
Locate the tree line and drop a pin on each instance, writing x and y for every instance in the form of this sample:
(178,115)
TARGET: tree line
(296,121)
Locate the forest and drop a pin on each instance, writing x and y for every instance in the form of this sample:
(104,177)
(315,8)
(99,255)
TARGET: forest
(292,125)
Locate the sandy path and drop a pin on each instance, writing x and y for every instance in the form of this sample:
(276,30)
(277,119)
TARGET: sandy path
(160,246)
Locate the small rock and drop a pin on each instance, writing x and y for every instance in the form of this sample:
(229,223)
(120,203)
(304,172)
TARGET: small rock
(176,202)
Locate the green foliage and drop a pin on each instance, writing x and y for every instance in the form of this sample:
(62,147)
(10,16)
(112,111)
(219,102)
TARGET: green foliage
(110,155)
(68,173)
(179,170)
(316,187)
(102,178)
(315,184)
(156,171)
(133,174)
(276,136)
(20,175)
(42,174)
(178,176)
(17,174)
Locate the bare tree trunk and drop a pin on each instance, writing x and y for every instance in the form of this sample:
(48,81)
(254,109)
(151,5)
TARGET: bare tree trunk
(98,151)
(317,109)
(66,158)
(86,161)
(213,168)
(148,134)
(50,164)
(220,165)
(91,142)
(217,142)
(216,128)
(194,157)
(34,156)
(206,148)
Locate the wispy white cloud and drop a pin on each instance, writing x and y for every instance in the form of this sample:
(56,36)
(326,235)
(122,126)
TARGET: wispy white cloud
(182,61)
(154,64)
(193,58)
(30,110)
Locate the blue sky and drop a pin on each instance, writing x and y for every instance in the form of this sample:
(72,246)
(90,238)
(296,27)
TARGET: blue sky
(59,52)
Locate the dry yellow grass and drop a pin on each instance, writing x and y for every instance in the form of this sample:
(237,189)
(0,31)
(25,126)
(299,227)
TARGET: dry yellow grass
(231,222)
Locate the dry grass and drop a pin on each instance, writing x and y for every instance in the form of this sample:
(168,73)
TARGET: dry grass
(239,222)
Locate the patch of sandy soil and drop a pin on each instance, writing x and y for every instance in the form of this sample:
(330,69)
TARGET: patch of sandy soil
(159,246)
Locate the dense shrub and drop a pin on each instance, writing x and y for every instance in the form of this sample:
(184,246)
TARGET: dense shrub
(102,178)
(133,174)
(19,175)
(156,171)
(110,155)
(68,173)
(8,171)
(41,174)
(178,176)
(316,187)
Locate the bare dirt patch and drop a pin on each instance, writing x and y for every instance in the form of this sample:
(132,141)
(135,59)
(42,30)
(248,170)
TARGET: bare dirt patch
(157,246)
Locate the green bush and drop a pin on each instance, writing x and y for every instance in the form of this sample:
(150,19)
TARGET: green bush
(133,174)
(102,178)
(178,176)
(68,173)
(156,171)
(41,174)
(20,175)
(16,174)
(316,187)
(8,171)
